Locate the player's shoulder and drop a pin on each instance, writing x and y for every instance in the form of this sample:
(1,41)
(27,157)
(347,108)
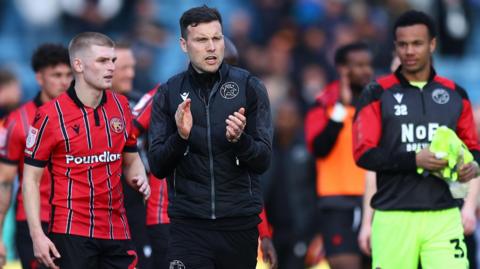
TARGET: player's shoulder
(385,82)
(117,97)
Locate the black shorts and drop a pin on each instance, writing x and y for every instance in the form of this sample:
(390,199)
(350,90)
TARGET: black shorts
(78,252)
(24,245)
(158,236)
(191,247)
(339,228)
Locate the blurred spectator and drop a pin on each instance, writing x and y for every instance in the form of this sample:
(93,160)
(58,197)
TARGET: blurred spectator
(313,81)
(109,16)
(10,92)
(289,188)
(455,26)
(340,183)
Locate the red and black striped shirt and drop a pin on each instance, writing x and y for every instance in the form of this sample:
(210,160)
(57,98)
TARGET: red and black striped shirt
(16,126)
(83,147)
(157,204)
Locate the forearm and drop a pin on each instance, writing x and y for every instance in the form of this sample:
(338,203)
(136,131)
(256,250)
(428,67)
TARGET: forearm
(31,201)
(370,189)
(133,168)
(163,157)
(379,160)
(5,196)
(324,142)
(473,192)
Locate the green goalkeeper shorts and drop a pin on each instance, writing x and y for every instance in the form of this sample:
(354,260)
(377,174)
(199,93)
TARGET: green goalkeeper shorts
(404,239)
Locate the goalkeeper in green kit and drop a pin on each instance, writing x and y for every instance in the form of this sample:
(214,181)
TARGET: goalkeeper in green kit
(417,219)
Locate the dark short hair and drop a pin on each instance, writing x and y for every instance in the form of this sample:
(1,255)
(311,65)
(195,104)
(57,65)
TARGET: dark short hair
(413,17)
(341,54)
(49,55)
(196,15)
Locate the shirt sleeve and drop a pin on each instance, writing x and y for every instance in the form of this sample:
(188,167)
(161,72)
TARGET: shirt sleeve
(40,140)
(166,147)
(254,148)
(367,131)
(466,129)
(14,141)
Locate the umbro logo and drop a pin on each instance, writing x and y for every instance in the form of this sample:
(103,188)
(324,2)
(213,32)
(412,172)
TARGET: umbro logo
(184,95)
(398,96)
(76,128)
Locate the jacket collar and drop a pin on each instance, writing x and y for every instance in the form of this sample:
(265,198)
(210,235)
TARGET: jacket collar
(405,83)
(221,73)
(73,95)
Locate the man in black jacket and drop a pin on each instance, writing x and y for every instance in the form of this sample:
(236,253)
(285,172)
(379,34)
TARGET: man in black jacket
(211,137)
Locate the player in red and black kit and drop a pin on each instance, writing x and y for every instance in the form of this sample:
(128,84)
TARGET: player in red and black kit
(51,65)
(85,137)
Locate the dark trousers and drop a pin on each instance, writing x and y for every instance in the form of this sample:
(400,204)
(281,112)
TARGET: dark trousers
(191,247)
(158,236)
(78,252)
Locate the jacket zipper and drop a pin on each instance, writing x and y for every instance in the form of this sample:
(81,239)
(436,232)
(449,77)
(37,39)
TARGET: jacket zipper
(423,101)
(210,150)
(210,159)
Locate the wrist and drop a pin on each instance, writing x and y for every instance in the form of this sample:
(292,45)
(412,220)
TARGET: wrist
(183,136)
(37,233)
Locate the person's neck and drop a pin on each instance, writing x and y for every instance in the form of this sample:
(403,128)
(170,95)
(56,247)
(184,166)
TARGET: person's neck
(205,79)
(44,98)
(421,75)
(88,95)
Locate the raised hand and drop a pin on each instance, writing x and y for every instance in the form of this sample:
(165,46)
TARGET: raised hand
(235,125)
(183,119)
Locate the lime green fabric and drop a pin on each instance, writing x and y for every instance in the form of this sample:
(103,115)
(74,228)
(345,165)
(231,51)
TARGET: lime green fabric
(418,84)
(402,239)
(446,145)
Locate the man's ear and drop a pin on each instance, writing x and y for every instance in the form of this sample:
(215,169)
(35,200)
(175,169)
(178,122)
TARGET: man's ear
(433,44)
(183,44)
(77,65)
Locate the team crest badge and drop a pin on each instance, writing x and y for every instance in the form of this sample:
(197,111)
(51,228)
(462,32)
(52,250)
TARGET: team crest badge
(32,137)
(440,96)
(117,125)
(176,264)
(229,90)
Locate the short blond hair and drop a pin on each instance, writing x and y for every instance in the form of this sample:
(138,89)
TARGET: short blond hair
(85,40)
